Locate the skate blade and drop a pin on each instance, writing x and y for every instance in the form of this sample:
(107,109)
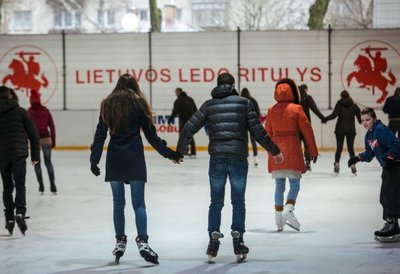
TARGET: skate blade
(295,228)
(395,238)
(280,229)
(241,258)
(210,259)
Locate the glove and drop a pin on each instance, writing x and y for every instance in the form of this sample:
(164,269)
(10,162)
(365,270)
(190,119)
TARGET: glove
(95,169)
(352,161)
(175,157)
(314,159)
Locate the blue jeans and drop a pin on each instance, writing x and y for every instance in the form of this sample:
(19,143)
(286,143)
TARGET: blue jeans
(280,189)
(137,197)
(47,161)
(218,172)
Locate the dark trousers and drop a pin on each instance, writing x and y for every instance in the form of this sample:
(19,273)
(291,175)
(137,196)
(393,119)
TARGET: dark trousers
(192,144)
(394,126)
(13,172)
(390,192)
(253,145)
(339,145)
(307,156)
(47,161)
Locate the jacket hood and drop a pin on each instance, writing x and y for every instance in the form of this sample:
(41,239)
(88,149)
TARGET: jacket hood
(286,91)
(7,104)
(223,91)
(346,102)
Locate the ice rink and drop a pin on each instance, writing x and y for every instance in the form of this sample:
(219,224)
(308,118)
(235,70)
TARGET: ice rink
(72,232)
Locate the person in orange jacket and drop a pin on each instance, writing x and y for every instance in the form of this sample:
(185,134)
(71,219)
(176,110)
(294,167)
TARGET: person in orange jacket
(285,121)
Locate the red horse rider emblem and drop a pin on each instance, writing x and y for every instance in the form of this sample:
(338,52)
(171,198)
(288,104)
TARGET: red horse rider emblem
(372,72)
(26,72)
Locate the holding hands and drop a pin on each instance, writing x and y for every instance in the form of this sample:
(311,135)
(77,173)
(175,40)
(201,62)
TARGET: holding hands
(353,161)
(278,158)
(176,157)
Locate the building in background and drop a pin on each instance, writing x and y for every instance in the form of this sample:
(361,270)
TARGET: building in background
(100,16)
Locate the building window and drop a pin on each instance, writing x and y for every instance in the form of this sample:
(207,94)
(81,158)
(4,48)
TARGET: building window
(105,18)
(144,15)
(209,14)
(64,19)
(22,20)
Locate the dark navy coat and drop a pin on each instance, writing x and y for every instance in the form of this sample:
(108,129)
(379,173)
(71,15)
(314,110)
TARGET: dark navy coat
(125,153)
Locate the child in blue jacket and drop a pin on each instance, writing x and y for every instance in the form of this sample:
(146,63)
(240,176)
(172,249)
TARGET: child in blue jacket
(381,143)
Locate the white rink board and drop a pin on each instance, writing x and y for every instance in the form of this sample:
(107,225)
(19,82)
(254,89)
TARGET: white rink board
(192,61)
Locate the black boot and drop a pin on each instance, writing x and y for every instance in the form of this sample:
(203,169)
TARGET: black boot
(41,187)
(10,226)
(20,219)
(53,188)
(391,228)
(213,245)
(238,246)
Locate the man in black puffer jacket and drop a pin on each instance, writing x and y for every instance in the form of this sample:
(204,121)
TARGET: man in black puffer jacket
(15,126)
(229,118)
(392,108)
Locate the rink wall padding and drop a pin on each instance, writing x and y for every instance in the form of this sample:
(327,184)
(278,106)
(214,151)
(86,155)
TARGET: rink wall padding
(75,78)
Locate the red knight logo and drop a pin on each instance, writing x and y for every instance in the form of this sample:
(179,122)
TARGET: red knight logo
(25,71)
(370,69)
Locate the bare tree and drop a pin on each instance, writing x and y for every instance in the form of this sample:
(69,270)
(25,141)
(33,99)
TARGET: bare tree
(155,16)
(317,14)
(344,14)
(268,14)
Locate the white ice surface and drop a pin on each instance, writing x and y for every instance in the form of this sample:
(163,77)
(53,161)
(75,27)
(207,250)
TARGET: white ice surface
(72,232)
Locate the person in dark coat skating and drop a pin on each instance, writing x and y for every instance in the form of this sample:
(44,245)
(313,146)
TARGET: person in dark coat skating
(16,128)
(184,108)
(229,118)
(124,113)
(44,123)
(346,111)
(392,108)
(308,103)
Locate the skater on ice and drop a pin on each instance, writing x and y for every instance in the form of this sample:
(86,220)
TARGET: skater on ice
(346,112)
(285,121)
(229,118)
(44,123)
(381,143)
(16,128)
(124,113)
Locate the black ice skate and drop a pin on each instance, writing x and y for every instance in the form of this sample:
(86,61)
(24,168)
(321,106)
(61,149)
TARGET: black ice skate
(336,168)
(353,169)
(120,247)
(145,251)
(390,231)
(20,219)
(213,245)
(238,247)
(10,226)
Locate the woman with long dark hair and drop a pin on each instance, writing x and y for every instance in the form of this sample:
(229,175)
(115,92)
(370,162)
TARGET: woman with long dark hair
(124,113)
(346,111)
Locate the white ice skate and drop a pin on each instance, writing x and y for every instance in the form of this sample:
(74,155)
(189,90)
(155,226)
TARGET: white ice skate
(289,218)
(146,252)
(280,223)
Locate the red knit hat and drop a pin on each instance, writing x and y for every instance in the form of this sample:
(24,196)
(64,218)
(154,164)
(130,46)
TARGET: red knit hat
(35,97)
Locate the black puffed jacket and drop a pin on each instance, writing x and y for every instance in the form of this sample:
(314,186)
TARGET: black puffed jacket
(16,127)
(228,117)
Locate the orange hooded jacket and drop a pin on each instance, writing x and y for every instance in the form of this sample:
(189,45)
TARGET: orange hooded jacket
(285,120)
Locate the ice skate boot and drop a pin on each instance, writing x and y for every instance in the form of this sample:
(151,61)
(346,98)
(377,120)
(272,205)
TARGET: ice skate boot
(238,246)
(289,218)
(145,251)
(336,167)
(41,188)
(20,219)
(213,245)
(353,169)
(280,223)
(53,189)
(120,247)
(390,232)
(10,226)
